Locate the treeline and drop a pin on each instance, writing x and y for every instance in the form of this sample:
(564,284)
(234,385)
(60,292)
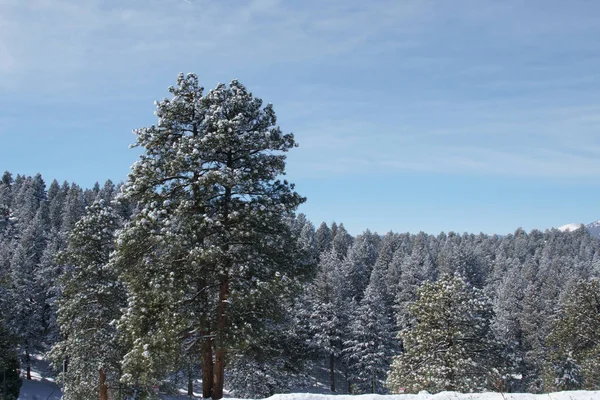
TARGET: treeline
(539,331)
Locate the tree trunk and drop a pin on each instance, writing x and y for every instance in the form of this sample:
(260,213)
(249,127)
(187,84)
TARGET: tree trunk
(190,391)
(372,381)
(332,371)
(28,362)
(207,366)
(103,387)
(219,373)
(219,369)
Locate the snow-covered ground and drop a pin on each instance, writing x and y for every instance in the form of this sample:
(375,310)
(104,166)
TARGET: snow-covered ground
(42,385)
(39,390)
(573,395)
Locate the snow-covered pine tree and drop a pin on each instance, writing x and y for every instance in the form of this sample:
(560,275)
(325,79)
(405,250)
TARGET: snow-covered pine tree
(10,380)
(25,294)
(210,247)
(6,195)
(366,246)
(73,209)
(48,271)
(329,310)
(371,343)
(304,233)
(342,241)
(451,346)
(574,342)
(30,194)
(56,201)
(88,306)
(6,232)
(108,192)
(273,361)
(508,311)
(414,270)
(90,195)
(323,237)
(358,264)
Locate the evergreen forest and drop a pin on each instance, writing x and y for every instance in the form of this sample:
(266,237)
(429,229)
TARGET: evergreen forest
(198,267)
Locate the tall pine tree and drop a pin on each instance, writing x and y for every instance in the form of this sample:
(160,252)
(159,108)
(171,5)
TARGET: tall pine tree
(210,243)
(88,307)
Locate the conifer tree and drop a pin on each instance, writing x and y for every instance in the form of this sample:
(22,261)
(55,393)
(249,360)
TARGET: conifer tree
(451,346)
(304,233)
(323,237)
(6,196)
(271,362)
(210,245)
(358,264)
(88,307)
(28,298)
(10,381)
(575,340)
(73,209)
(370,344)
(508,313)
(329,310)
(341,242)
(30,194)
(414,270)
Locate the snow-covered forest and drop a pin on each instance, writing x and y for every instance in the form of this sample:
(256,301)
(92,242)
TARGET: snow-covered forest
(198,268)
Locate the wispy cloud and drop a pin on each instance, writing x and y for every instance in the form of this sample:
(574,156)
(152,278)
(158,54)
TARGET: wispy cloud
(467,87)
(558,142)
(58,38)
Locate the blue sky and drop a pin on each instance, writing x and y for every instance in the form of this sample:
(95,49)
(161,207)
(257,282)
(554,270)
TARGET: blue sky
(467,115)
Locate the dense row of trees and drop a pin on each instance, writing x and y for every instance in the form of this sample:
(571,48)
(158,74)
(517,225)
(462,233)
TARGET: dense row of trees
(198,267)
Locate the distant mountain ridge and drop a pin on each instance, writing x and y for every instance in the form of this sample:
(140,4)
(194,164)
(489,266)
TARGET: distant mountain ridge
(593,228)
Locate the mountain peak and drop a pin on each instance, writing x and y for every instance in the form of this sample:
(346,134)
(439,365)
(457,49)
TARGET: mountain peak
(569,227)
(595,224)
(593,228)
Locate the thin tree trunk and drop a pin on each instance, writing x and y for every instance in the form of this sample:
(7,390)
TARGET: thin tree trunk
(348,383)
(207,366)
(28,361)
(332,371)
(103,387)
(66,364)
(372,381)
(219,368)
(190,388)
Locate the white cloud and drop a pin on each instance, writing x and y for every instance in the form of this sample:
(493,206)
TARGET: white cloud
(56,38)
